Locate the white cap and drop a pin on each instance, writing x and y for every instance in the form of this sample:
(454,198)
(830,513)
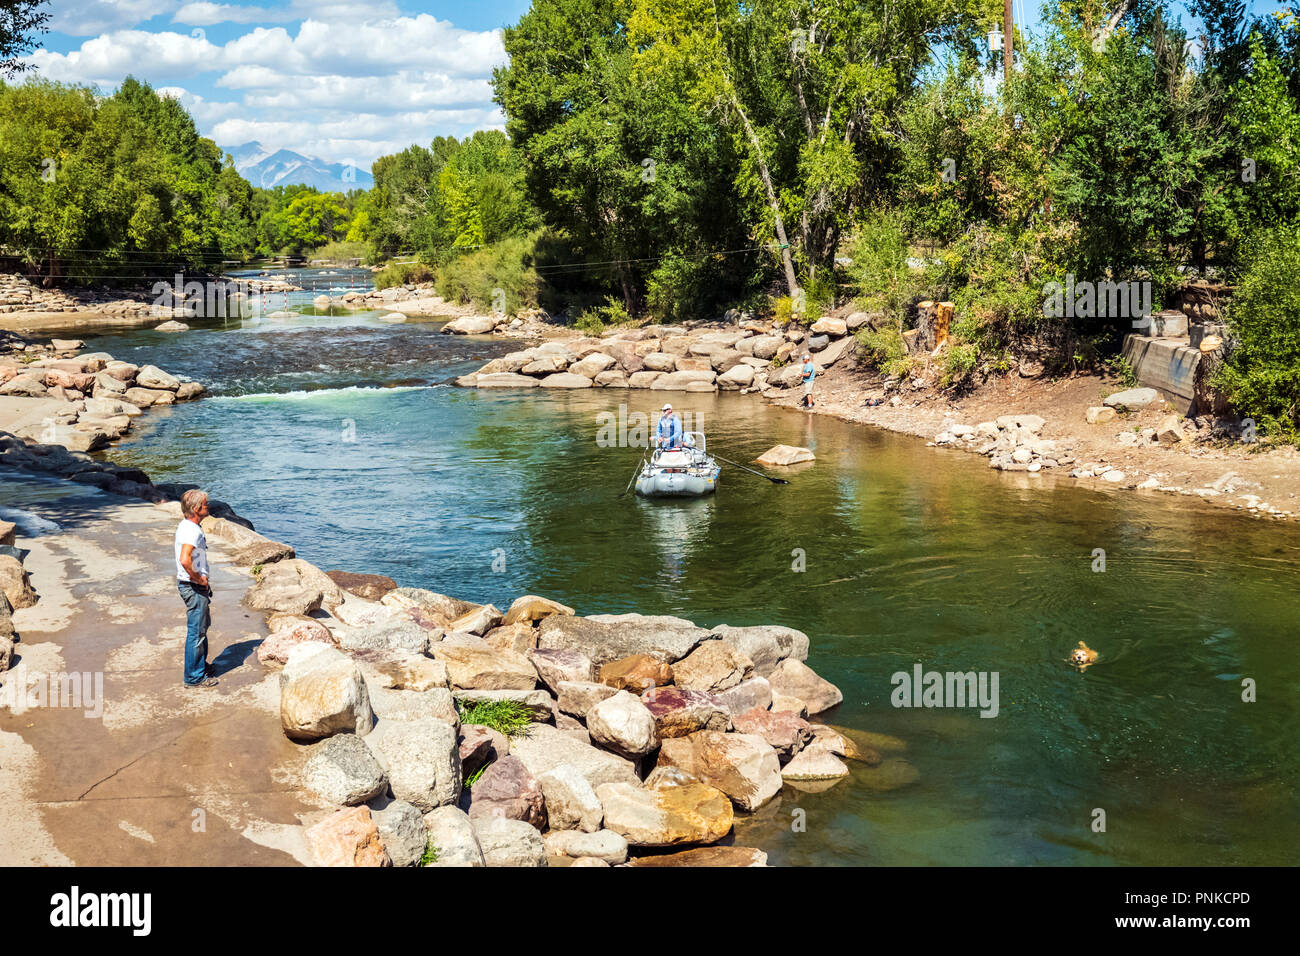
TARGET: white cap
(666,408)
(806,355)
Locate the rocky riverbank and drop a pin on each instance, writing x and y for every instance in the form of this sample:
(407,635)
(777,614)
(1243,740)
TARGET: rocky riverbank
(54,393)
(1084,427)
(637,740)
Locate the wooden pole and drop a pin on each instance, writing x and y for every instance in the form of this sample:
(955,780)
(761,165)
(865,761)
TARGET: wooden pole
(1008,26)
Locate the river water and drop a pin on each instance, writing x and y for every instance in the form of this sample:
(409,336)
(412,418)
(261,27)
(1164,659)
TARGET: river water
(339,435)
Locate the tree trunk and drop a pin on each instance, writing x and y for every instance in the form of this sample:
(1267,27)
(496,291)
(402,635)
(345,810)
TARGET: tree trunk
(792,284)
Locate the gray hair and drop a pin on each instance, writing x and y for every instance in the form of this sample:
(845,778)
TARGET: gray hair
(192,501)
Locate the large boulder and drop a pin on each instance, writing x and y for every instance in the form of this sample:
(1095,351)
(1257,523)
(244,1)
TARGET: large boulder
(478,622)
(471,325)
(578,697)
(544,748)
(829,326)
(742,766)
(343,770)
(479,746)
(671,816)
(793,678)
(292,586)
(402,829)
(440,604)
(1130,399)
(372,587)
(785,732)
(624,725)
(436,702)
(713,666)
(422,759)
(505,380)
(561,664)
(679,381)
(785,455)
(567,380)
(638,673)
(710,856)
(765,645)
(150,376)
(755,692)
(347,838)
(571,802)
(603,845)
(814,763)
(247,547)
(737,376)
(15,583)
(506,789)
(401,670)
(473,664)
(661,362)
(678,712)
(275,648)
(592,365)
(509,842)
(608,637)
(322,693)
(531,608)
(520,638)
(452,838)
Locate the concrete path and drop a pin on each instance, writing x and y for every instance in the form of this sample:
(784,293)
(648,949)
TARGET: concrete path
(148,772)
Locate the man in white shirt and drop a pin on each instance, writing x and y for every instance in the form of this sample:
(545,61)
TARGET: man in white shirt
(192,582)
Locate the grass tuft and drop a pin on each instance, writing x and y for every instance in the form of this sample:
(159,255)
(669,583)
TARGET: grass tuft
(504,716)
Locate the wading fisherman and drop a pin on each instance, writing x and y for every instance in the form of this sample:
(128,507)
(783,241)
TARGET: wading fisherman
(668,433)
(192,581)
(809,373)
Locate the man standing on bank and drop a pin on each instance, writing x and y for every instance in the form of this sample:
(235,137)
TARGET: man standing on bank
(192,582)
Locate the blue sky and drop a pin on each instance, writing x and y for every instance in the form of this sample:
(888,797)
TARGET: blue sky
(344,80)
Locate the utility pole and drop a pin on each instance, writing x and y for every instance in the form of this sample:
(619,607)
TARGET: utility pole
(1008,26)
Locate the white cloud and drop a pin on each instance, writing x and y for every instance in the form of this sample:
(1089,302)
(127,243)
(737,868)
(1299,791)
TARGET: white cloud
(342,89)
(207,14)
(83,18)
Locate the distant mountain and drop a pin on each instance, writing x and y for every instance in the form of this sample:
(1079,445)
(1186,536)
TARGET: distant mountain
(283,167)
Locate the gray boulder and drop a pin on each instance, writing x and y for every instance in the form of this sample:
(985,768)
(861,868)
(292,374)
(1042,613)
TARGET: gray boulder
(344,771)
(451,836)
(609,637)
(402,829)
(422,758)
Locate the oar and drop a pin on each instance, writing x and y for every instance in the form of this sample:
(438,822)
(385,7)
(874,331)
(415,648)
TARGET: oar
(775,481)
(633,478)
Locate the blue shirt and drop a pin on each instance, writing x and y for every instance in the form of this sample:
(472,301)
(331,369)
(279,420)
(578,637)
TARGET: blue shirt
(670,428)
(809,373)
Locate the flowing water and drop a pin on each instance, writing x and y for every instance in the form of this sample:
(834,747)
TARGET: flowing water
(339,435)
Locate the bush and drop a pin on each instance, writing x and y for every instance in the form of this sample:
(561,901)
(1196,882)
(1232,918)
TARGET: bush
(595,320)
(880,275)
(485,276)
(334,251)
(1261,374)
(507,717)
(884,349)
(959,361)
(403,273)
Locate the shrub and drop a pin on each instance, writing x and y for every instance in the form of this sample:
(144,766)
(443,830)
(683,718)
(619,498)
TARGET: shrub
(595,320)
(430,854)
(959,361)
(507,717)
(334,251)
(402,273)
(1261,374)
(484,276)
(884,349)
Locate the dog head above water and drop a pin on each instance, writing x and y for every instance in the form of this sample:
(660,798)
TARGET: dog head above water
(1082,656)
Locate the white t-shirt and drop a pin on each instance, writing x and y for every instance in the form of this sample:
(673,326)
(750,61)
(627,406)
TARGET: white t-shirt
(187,532)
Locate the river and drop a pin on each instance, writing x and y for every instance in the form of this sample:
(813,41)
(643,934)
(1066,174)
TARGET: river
(339,435)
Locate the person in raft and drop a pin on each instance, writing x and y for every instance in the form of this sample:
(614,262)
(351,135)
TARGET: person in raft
(192,582)
(809,373)
(669,431)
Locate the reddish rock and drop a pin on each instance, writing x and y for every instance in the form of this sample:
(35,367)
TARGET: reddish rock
(743,766)
(508,790)
(705,856)
(275,648)
(785,731)
(480,746)
(348,838)
(679,712)
(637,673)
(372,587)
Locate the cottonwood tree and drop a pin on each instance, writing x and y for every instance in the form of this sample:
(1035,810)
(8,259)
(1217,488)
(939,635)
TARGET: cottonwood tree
(21,22)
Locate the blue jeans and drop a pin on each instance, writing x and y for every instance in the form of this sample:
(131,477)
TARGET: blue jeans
(197,619)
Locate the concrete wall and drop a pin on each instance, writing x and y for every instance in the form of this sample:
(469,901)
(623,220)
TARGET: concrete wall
(1167,365)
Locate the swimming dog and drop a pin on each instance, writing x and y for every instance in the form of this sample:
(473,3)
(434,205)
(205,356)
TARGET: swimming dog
(1082,656)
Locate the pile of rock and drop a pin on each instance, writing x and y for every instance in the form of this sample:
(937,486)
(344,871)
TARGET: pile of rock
(1011,443)
(15,590)
(741,355)
(649,733)
(100,395)
(19,295)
